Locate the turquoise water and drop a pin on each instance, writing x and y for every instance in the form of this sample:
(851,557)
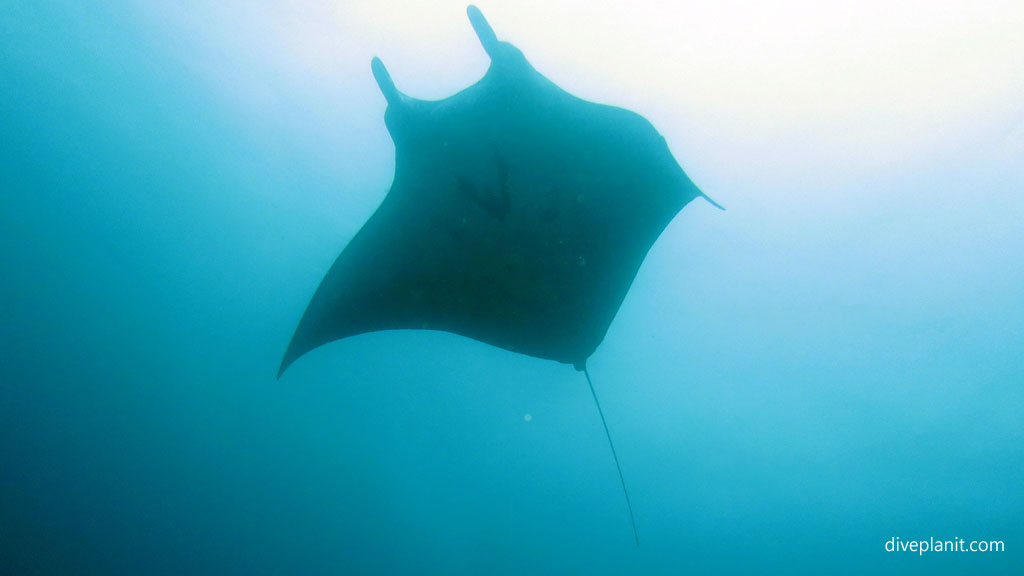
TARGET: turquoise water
(833,362)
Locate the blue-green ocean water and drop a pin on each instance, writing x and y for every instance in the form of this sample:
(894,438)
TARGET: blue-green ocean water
(833,362)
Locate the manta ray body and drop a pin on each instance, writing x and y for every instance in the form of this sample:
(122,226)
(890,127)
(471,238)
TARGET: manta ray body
(519,216)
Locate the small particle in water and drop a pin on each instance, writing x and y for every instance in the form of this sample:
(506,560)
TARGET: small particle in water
(527,417)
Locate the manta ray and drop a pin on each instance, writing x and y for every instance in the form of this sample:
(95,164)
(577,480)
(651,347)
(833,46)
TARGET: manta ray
(519,216)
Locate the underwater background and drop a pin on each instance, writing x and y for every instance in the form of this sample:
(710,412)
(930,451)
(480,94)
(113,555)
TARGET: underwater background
(835,361)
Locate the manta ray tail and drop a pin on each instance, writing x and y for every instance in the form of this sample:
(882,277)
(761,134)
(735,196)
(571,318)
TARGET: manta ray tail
(622,479)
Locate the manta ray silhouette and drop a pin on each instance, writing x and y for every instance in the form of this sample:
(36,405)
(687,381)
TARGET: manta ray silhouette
(519,216)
